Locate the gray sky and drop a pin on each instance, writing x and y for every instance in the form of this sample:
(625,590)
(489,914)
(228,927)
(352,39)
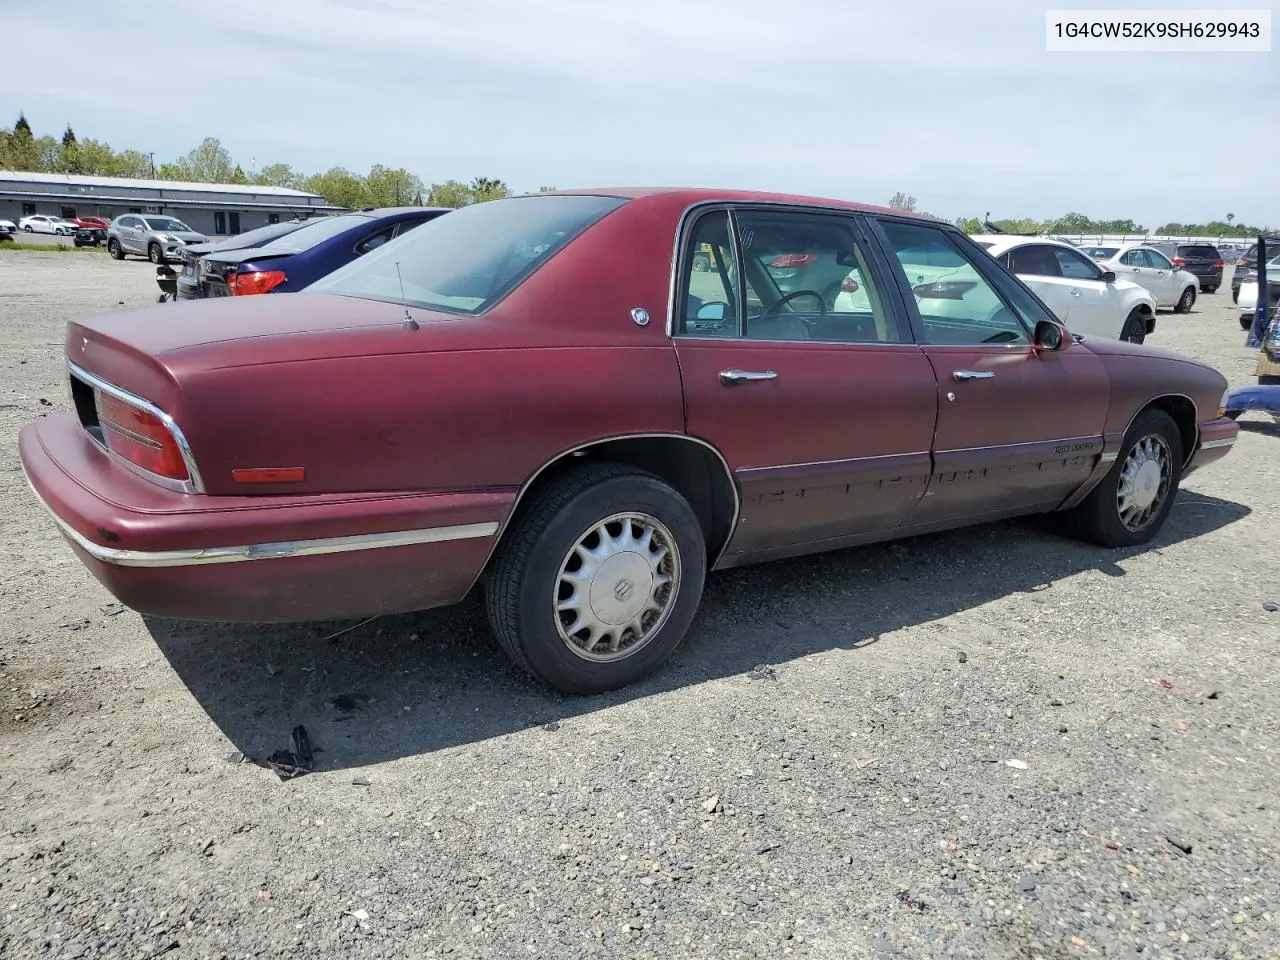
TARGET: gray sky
(954,102)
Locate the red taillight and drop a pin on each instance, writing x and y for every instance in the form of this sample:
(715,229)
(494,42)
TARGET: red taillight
(1179,262)
(259,281)
(1219,264)
(793,260)
(139,437)
(1242,262)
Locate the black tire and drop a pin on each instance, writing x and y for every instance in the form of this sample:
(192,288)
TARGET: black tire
(1235,294)
(114,250)
(154,253)
(1186,301)
(28,228)
(1097,517)
(526,574)
(1213,289)
(1246,323)
(1232,414)
(1135,327)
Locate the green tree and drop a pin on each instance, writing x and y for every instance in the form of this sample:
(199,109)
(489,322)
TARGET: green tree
(277,175)
(131,163)
(23,152)
(391,188)
(484,188)
(237,175)
(69,155)
(451,193)
(338,186)
(901,201)
(210,162)
(969,225)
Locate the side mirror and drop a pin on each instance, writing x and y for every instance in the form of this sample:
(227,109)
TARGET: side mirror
(1108,276)
(1052,337)
(712,311)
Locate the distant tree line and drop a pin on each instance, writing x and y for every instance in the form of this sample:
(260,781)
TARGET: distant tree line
(211,162)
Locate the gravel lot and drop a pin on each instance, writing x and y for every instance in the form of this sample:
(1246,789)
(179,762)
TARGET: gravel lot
(993,743)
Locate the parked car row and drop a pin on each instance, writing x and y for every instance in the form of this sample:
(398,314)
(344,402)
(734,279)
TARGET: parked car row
(533,397)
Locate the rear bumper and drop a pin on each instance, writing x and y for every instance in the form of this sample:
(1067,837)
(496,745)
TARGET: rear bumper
(262,558)
(1217,437)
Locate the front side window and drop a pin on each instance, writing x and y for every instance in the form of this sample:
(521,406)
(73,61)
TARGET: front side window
(466,260)
(957,305)
(167,223)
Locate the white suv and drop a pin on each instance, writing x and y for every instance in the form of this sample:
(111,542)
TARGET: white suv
(1149,268)
(1087,297)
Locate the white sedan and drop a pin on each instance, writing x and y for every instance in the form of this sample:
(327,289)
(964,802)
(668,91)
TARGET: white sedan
(1171,286)
(39,223)
(1087,297)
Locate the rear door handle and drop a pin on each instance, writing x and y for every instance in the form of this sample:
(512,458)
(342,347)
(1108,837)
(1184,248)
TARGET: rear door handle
(1075,293)
(730,377)
(965,375)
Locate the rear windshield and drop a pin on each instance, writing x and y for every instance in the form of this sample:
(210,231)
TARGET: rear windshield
(258,237)
(1105,252)
(1198,250)
(315,232)
(466,261)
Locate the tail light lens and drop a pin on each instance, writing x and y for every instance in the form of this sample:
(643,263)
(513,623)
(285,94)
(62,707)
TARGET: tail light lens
(1219,264)
(1179,262)
(139,437)
(1242,262)
(259,281)
(793,260)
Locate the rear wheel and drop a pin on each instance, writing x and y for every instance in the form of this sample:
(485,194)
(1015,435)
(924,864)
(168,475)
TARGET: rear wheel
(1213,289)
(598,579)
(1135,327)
(114,249)
(1186,301)
(1246,323)
(1130,504)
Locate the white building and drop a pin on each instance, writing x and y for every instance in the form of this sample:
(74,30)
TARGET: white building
(215,209)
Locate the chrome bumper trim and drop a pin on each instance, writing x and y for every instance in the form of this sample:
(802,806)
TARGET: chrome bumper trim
(265,551)
(1214,444)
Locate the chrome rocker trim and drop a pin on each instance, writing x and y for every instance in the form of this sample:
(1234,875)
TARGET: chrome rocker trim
(1214,444)
(266,551)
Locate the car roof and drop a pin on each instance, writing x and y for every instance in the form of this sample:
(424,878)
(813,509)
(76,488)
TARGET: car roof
(698,195)
(1001,242)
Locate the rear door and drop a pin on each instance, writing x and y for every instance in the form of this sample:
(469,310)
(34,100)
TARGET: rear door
(820,402)
(1018,430)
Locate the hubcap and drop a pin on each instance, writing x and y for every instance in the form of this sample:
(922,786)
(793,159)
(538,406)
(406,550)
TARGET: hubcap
(1144,482)
(616,586)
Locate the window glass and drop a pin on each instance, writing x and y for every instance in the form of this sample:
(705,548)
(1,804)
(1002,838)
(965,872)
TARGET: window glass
(806,279)
(957,304)
(167,223)
(466,260)
(1076,266)
(375,240)
(1133,258)
(710,280)
(1035,259)
(317,231)
(1158,260)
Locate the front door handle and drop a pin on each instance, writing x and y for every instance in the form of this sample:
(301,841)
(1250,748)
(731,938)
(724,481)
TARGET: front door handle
(745,376)
(965,375)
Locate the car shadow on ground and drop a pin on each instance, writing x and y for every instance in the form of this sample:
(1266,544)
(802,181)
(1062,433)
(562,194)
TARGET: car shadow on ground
(412,684)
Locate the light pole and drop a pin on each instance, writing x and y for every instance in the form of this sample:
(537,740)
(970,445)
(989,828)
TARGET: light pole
(152,155)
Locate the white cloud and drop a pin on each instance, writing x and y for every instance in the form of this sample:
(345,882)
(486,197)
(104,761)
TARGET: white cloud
(958,104)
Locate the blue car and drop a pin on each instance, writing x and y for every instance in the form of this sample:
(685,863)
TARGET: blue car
(299,257)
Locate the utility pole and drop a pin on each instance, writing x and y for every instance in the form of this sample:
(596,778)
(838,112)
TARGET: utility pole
(152,155)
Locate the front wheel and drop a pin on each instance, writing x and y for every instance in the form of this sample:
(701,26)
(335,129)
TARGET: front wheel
(598,579)
(1135,328)
(29,228)
(155,254)
(1130,504)
(1186,301)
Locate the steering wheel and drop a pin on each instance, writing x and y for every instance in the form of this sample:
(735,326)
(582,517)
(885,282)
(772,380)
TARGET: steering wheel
(787,298)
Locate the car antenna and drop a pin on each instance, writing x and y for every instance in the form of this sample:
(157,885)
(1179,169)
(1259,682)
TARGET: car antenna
(409,322)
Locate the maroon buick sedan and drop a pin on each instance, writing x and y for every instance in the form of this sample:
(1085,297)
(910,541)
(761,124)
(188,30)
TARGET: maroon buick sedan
(582,402)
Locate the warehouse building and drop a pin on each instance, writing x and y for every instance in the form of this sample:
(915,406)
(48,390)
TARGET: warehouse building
(214,209)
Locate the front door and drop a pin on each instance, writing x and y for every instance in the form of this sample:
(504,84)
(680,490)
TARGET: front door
(1018,430)
(1165,278)
(1095,306)
(799,366)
